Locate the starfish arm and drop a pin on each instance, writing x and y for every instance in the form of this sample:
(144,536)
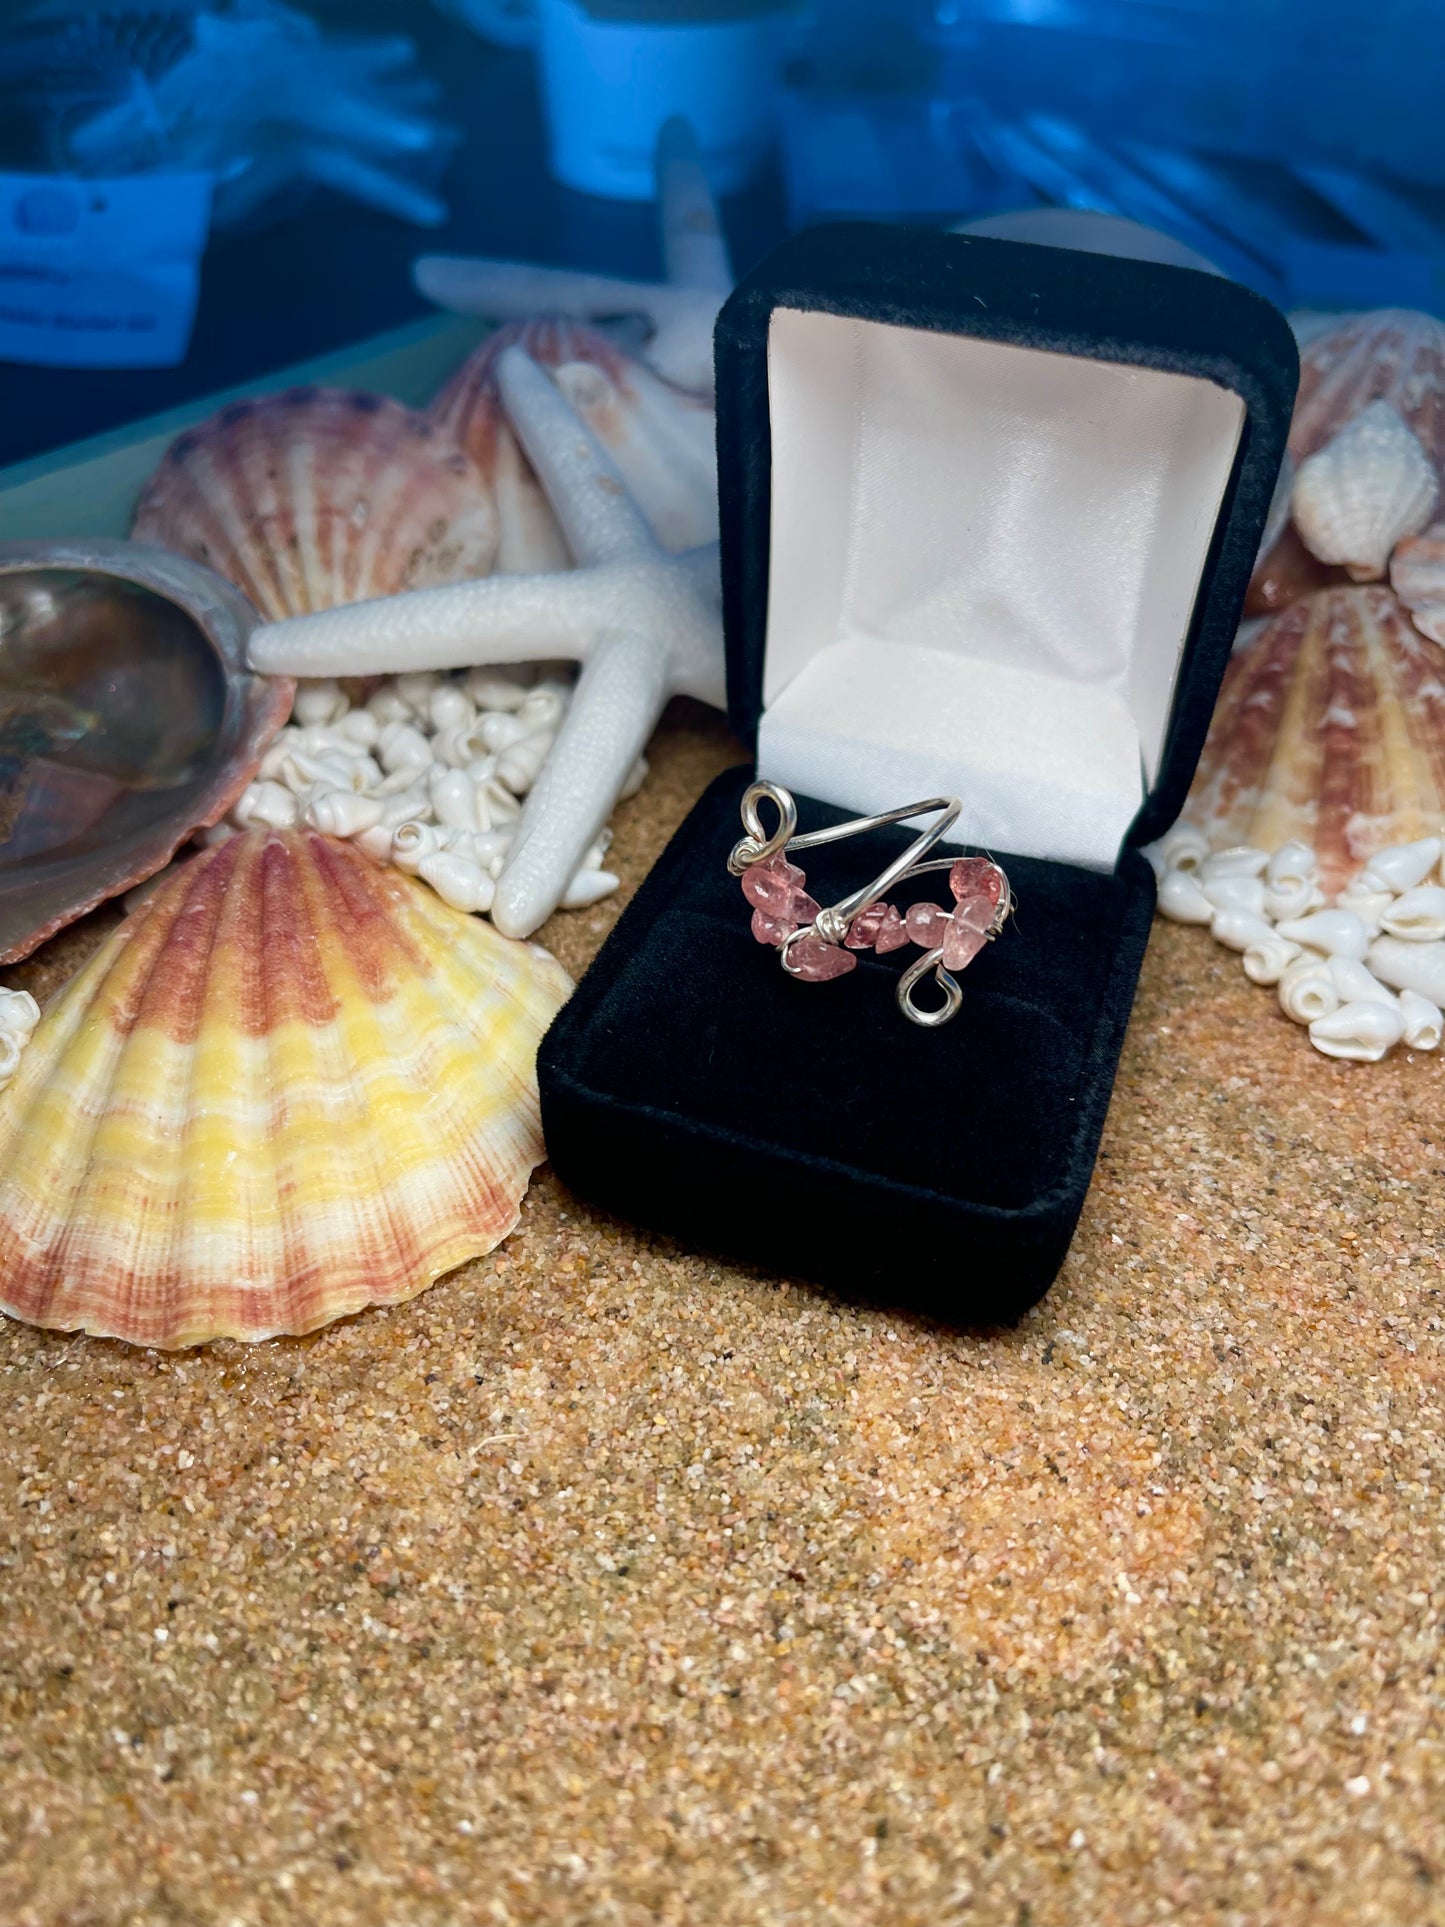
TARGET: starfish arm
(681,319)
(600,519)
(699,664)
(514,618)
(517,290)
(618,700)
(694,252)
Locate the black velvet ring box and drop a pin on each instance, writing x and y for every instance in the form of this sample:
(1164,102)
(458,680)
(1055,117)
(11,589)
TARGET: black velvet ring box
(989,511)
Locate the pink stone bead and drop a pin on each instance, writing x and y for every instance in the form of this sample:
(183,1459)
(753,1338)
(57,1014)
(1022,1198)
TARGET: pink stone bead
(771,929)
(815,961)
(771,886)
(961,944)
(863,930)
(892,932)
(926,925)
(976,913)
(975,876)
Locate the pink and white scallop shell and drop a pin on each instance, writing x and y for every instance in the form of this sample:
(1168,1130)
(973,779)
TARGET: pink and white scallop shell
(1417,575)
(661,438)
(1394,355)
(315,497)
(1330,732)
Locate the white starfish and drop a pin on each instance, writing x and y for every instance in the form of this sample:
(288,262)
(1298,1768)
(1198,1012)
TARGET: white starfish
(682,309)
(644,624)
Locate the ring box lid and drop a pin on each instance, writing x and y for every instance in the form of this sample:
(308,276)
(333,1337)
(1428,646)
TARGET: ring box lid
(988,512)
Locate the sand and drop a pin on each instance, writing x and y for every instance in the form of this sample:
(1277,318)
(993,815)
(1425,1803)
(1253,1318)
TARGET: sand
(608,1583)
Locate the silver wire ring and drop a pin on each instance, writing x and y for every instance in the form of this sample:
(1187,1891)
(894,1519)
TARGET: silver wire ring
(816,943)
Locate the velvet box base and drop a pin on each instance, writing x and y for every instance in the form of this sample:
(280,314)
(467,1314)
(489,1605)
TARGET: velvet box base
(690,1085)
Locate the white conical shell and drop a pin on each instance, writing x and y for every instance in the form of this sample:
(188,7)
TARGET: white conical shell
(1424,1025)
(405,806)
(376,842)
(19,1011)
(1410,966)
(343,813)
(1182,900)
(1291,882)
(451,707)
(1268,957)
(1241,861)
(321,701)
(267,805)
(1291,863)
(1418,915)
(19,1015)
(1403,865)
(412,843)
(1333,933)
(359,728)
(1366,490)
(1368,901)
(545,706)
(1234,892)
(521,765)
(454,799)
(1356,983)
(1294,899)
(1362,1032)
(588,887)
(499,729)
(1239,929)
(315,497)
(1181,848)
(458,879)
(499,686)
(1417,575)
(1306,990)
(402,746)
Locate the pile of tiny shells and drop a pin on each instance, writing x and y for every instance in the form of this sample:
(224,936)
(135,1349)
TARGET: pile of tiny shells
(19,1014)
(1363,973)
(428,774)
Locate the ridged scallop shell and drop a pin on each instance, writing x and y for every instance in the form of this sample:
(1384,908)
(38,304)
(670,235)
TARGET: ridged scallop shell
(316,497)
(1330,732)
(1368,488)
(1389,354)
(1417,575)
(661,439)
(291,1085)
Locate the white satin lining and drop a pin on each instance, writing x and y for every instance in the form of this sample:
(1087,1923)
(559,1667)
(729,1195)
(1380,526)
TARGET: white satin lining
(984,562)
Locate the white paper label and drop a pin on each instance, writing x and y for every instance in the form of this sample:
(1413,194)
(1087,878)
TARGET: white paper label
(100,274)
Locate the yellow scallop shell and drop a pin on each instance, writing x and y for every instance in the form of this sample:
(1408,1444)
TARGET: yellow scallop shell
(291,1085)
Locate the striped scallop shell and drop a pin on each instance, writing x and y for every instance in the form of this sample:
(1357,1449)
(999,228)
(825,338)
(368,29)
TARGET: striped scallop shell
(291,1085)
(1329,731)
(1417,575)
(662,440)
(1390,354)
(318,496)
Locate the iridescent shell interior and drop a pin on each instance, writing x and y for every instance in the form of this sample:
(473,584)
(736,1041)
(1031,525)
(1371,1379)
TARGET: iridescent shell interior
(127,721)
